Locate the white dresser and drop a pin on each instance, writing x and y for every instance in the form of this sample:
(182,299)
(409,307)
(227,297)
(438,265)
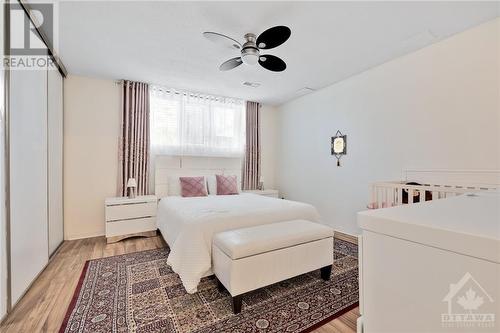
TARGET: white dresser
(431,267)
(267,193)
(130,217)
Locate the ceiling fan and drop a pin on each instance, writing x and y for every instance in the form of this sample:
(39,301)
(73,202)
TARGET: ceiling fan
(250,50)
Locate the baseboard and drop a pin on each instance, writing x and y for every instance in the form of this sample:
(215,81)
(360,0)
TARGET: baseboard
(346,237)
(338,234)
(70,238)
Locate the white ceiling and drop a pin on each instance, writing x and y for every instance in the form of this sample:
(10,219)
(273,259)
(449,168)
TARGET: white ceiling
(162,42)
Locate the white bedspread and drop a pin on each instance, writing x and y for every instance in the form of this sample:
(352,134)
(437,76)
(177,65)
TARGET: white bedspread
(188,224)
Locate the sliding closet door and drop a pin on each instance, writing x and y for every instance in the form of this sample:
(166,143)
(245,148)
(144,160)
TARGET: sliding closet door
(28,178)
(55,158)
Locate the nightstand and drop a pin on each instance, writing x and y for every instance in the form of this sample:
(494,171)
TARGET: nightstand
(130,217)
(267,193)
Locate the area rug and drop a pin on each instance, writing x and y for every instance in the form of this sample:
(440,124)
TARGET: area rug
(138,292)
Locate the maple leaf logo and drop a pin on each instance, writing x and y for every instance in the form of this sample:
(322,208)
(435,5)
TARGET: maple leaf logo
(470,301)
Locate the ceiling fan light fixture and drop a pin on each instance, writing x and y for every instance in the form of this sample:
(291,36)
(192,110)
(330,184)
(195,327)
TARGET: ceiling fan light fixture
(250,55)
(250,59)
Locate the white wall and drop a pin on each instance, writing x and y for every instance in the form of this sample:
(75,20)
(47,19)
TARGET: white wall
(91,132)
(436,108)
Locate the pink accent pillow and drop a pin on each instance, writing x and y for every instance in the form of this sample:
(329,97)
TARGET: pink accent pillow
(193,186)
(226,185)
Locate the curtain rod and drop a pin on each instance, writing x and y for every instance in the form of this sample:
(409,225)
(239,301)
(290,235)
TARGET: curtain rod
(185,93)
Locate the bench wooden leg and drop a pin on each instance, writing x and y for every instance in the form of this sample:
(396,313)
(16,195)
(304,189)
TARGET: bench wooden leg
(326,272)
(237,304)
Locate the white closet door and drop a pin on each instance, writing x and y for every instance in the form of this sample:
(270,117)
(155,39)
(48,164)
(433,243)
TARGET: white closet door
(28,178)
(55,158)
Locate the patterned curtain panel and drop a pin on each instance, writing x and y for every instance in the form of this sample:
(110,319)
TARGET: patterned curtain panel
(251,163)
(134,139)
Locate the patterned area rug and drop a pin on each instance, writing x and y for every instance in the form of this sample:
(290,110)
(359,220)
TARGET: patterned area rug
(138,292)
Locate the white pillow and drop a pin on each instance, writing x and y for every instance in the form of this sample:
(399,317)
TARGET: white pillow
(212,184)
(174,186)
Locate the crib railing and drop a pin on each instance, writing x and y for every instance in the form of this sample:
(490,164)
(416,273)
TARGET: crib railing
(388,194)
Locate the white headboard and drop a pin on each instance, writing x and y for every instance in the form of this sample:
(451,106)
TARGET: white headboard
(182,166)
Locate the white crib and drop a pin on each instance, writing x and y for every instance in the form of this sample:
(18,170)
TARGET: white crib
(434,184)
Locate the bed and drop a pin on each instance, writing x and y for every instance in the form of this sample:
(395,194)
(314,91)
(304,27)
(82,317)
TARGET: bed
(188,224)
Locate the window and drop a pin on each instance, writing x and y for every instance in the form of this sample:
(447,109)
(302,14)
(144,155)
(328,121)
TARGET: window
(196,125)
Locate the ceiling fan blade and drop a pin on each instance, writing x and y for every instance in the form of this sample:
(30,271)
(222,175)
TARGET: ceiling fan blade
(273,37)
(272,63)
(230,64)
(222,40)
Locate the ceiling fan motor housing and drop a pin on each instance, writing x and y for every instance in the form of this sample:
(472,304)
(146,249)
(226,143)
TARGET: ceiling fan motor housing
(250,52)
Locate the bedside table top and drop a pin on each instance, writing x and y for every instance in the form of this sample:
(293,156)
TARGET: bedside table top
(126,200)
(270,191)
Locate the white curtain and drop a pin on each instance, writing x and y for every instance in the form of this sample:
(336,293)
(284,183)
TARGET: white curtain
(190,124)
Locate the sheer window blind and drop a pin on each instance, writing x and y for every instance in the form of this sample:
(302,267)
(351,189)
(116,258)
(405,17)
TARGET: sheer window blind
(195,125)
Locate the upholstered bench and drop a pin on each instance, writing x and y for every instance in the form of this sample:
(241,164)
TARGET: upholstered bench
(251,258)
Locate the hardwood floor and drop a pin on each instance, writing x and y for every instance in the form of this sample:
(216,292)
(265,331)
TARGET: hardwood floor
(43,307)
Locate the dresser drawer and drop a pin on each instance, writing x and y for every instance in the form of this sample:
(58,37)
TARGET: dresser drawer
(130,211)
(124,227)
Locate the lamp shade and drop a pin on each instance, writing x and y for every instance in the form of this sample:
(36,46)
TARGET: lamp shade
(131,182)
